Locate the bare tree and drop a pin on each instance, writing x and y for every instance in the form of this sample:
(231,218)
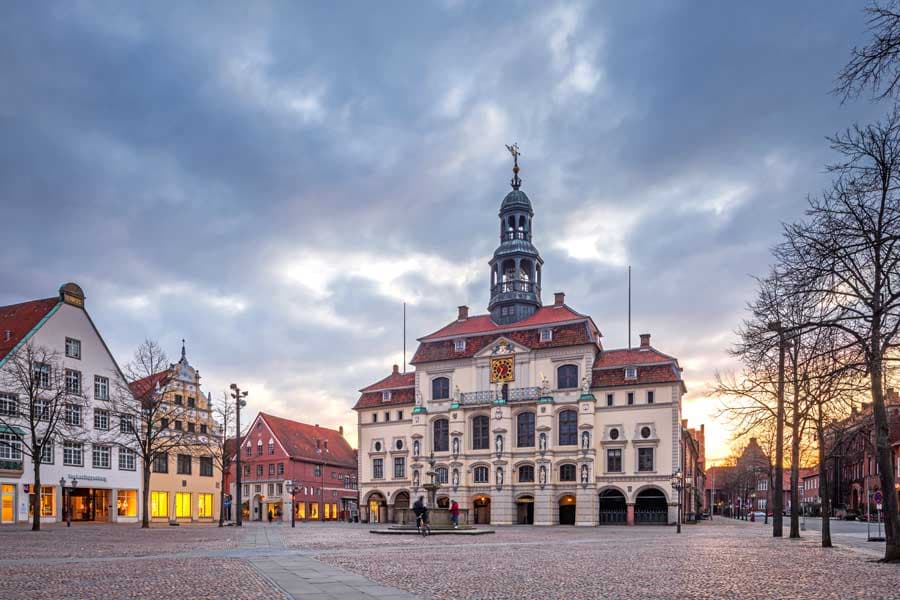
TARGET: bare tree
(45,406)
(846,255)
(218,446)
(876,66)
(147,426)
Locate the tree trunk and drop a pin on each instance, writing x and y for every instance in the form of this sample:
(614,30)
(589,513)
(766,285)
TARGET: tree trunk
(36,497)
(777,492)
(825,500)
(884,458)
(145,497)
(795,448)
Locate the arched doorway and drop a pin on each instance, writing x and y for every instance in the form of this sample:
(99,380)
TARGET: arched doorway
(256,507)
(377,508)
(481,512)
(854,499)
(401,507)
(525,510)
(567,510)
(651,507)
(613,510)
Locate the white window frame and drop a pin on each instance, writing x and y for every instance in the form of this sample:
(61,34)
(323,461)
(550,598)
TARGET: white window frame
(11,448)
(9,404)
(546,335)
(459,345)
(126,424)
(73,415)
(127,459)
(42,375)
(47,454)
(476,470)
(630,373)
(386,396)
(75,345)
(73,381)
(101,419)
(101,457)
(71,452)
(101,387)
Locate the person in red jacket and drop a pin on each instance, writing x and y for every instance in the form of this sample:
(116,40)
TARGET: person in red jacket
(454,514)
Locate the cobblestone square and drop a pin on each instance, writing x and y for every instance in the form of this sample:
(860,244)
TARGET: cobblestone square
(719,559)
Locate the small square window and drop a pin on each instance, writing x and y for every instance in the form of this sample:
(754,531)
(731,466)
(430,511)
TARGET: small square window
(630,373)
(459,345)
(386,396)
(73,348)
(546,335)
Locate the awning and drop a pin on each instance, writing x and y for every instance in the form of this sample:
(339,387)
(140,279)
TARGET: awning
(13,430)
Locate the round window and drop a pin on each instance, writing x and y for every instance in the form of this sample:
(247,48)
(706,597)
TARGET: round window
(399,444)
(377,446)
(645,432)
(613,434)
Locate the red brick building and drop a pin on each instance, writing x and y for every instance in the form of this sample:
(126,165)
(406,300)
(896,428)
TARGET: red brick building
(318,462)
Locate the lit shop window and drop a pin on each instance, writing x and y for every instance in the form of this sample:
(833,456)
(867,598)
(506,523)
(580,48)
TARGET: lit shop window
(48,502)
(314,510)
(204,505)
(126,503)
(182,505)
(159,504)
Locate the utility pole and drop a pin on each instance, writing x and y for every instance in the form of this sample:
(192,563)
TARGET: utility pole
(238,396)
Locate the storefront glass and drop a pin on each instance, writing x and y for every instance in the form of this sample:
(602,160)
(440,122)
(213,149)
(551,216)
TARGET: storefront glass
(313,510)
(183,505)
(159,504)
(204,505)
(126,503)
(48,502)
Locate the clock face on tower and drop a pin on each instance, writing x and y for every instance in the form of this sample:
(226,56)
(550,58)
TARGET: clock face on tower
(502,370)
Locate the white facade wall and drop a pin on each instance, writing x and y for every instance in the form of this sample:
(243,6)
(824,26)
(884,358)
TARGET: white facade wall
(71,321)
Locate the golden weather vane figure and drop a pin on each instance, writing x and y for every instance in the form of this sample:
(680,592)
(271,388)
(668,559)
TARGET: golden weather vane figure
(514,150)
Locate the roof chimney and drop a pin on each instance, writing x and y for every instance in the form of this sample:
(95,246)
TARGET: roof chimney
(463,313)
(645,340)
(341,430)
(396,372)
(559,298)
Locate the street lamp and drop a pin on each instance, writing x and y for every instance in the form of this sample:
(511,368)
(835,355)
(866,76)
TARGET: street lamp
(678,485)
(291,489)
(238,396)
(67,499)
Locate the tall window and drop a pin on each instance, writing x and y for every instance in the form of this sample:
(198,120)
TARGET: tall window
(271,448)
(101,419)
(481,474)
(73,454)
(614,460)
(318,470)
(73,381)
(567,377)
(399,467)
(206,466)
(649,396)
(645,459)
(525,430)
(73,348)
(126,424)
(159,504)
(42,375)
(101,387)
(204,505)
(568,428)
(271,469)
(182,505)
(259,470)
(441,432)
(526,474)
(10,447)
(440,475)
(609,399)
(100,457)
(73,415)
(259,447)
(480,434)
(127,459)
(161,463)
(126,503)
(567,473)
(440,388)
(377,468)
(47,453)
(9,405)
(630,398)
(184,464)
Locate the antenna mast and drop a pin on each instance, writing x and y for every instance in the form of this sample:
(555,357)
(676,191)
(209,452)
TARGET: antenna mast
(629,307)
(404,338)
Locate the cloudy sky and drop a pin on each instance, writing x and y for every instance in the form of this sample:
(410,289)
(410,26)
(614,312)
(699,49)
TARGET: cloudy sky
(271,180)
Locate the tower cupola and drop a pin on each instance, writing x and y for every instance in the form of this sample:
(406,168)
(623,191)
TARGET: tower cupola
(516,264)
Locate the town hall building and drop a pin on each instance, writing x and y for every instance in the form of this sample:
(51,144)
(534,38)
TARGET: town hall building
(525,415)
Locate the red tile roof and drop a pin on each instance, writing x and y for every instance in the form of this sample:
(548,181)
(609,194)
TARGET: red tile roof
(569,334)
(400,385)
(625,357)
(20,319)
(393,381)
(299,440)
(480,324)
(665,373)
(142,387)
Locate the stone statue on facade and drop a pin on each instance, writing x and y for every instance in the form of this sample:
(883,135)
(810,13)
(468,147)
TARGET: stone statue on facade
(542,476)
(455,445)
(415,447)
(542,442)
(498,443)
(457,395)
(545,386)
(418,398)
(499,476)
(585,385)
(585,440)
(455,478)
(584,474)
(416,478)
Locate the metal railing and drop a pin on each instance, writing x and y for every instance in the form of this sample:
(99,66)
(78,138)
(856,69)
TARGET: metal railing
(524,394)
(514,286)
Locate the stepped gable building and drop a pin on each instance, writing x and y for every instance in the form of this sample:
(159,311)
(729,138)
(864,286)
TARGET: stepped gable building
(184,483)
(107,475)
(524,414)
(280,454)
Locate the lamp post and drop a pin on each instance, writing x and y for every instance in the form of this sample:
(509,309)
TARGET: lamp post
(678,485)
(292,489)
(67,498)
(238,396)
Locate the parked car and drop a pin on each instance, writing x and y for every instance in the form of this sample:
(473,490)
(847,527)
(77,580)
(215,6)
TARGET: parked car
(758,514)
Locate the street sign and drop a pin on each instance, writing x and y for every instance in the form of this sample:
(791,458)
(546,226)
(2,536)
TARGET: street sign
(877,498)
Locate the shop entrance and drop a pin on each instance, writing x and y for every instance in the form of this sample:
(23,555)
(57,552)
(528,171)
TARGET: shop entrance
(8,503)
(567,510)
(89,504)
(525,510)
(482,510)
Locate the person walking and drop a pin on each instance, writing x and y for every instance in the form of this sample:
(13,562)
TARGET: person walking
(271,515)
(454,514)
